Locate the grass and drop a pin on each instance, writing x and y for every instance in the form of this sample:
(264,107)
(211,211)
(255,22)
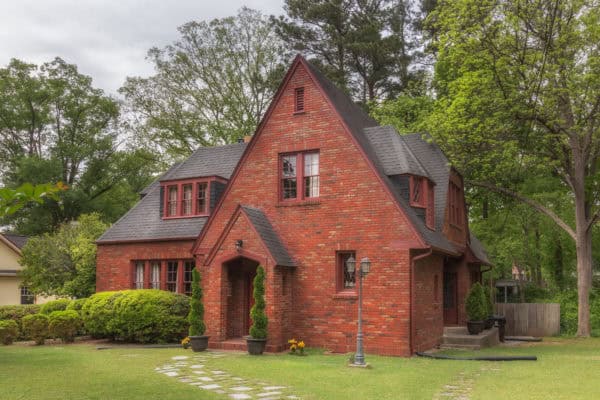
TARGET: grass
(566,369)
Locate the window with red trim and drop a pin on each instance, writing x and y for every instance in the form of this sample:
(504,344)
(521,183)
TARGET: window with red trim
(139,275)
(186,201)
(417,192)
(155,278)
(455,210)
(345,279)
(299,176)
(299,99)
(188,267)
(172,201)
(172,276)
(430,213)
(201,198)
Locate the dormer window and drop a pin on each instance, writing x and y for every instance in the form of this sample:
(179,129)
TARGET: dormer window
(299,100)
(190,197)
(455,205)
(417,191)
(421,196)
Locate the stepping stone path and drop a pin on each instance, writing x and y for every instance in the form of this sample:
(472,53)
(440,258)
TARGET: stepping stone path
(197,371)
(463,383)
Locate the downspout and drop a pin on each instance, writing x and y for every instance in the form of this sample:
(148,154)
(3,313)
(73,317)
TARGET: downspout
(412,295)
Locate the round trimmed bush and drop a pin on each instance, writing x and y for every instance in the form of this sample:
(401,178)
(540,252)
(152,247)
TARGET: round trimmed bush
(9,331)
(76,304)
(476,304)
(36,327)
(64,325)
(55,305)
(145,315)
(16,313)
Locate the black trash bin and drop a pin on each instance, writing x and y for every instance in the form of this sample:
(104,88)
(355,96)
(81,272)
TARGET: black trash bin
(500,323)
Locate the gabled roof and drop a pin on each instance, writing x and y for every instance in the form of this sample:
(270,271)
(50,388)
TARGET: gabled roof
(269,237)
(478,250)
(18,240)
(144,222)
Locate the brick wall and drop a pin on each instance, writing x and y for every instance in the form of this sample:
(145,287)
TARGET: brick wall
(114,268)
(353,212)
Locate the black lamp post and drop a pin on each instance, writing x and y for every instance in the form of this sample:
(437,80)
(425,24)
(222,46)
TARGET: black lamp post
(365,267)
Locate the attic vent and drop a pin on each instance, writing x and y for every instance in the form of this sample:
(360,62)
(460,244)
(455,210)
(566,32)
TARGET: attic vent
(299,100)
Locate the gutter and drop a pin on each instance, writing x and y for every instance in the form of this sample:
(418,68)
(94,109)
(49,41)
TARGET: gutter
(428,252)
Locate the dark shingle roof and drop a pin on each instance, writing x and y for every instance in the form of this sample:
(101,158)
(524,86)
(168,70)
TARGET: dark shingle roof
(144,222)
(478,250)
(208,161)
(268,235)
(18,240)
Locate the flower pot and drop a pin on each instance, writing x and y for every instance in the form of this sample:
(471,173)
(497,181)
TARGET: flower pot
(475,327)
(199,343)
(255,346)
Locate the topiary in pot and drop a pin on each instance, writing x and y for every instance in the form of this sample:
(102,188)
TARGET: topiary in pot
(258,332)
(476,309)
(198,341)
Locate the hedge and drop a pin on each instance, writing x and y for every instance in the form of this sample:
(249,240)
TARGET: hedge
(9,331)
(144,316)
(16,313)
(55,305)
(64,325)
(76,305)
(36,327)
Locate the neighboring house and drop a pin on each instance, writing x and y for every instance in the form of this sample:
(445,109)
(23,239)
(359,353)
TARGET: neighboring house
(11,290)
(319,181)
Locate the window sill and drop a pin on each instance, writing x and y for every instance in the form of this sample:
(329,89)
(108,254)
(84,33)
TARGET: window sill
(299,203)
(345,295)
(299,112)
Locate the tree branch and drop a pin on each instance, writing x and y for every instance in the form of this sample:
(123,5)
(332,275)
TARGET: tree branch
(529,202)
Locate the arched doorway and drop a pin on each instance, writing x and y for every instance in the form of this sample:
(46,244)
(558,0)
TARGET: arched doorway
(240,273)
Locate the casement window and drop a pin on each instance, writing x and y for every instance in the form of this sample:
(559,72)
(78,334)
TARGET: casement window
(345,279)
(188,267)
(299,100)
(139,275)
(172,201)
(172,267)
(299,176)
(430,214)
(155,278)
(417,191)
(201,203)
(26,296)
(186,201)
(455,210)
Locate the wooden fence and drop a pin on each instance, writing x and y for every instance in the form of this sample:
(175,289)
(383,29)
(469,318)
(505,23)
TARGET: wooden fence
(530,319)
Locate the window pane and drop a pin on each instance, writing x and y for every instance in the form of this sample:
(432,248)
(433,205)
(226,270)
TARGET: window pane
(155,275)
(349,279)
(139,275)
(188,267)
(172,203)
(417,184)
(187,200)
(172,276)
(289,166)
(311,186)
(311,164)
(26,296)
(201,199)
(289,188)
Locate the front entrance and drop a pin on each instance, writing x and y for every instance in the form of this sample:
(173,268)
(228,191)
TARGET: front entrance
(240,274)
(450,297)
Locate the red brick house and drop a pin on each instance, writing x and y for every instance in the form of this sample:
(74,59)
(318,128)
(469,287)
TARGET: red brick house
(318,182)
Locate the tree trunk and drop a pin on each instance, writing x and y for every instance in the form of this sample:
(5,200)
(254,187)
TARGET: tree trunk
(584,277)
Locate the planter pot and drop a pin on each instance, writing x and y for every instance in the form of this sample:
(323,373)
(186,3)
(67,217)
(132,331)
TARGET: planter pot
(489,323)
(199,343)
(475,327)
(255,346)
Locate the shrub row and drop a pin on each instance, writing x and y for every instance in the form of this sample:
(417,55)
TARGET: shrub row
(16,313)
(144,316)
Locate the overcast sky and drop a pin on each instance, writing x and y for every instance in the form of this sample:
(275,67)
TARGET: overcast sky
(106,39)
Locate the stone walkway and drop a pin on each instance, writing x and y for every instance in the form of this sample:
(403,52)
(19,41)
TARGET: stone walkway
(462,386)
(199,370)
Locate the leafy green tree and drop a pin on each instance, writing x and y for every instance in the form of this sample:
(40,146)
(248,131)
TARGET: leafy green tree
(365,46)
(518,85)
(12,200)
(212,86)
(64,263)
(407,114)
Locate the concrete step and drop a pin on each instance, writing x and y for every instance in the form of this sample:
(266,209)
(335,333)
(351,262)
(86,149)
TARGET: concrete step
(458,337)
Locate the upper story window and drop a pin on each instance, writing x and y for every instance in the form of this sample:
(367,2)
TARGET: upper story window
(455,207)
(417,192)
(299,176)
(430,216)
(188,198)
(299,99)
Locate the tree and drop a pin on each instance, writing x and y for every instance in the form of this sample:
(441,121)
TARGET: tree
(55,126)
(12,200)
(64,263)
(212,86)
(521,81)
(364,46)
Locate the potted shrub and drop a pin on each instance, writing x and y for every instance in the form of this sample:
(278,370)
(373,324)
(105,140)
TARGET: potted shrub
(198,341)
(489,322)
(476,309)
(258,332)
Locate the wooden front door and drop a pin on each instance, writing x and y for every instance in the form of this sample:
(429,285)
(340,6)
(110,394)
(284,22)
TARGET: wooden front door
(450,298)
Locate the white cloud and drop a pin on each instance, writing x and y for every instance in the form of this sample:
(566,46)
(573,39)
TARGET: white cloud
(107,39)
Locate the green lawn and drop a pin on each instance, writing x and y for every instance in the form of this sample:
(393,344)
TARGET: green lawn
(567,369)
